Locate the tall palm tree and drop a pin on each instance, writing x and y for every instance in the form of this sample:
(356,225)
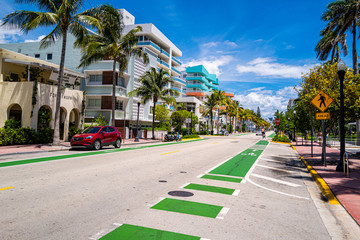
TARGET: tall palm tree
(220,95)
(343,16)
(111,43)
(329,43)
(154,87)
(66,19)
(210,103)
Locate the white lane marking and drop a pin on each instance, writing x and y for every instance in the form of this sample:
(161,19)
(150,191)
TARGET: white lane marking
(183,186)
(252,168)
(271,160)
(103,232)
(236,192)
(155,202)
(222,213)
(200,175)
(204,239)
(271,190)
(278,169)
(276,180)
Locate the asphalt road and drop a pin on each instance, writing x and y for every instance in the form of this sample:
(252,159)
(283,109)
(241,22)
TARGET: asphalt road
(87,197)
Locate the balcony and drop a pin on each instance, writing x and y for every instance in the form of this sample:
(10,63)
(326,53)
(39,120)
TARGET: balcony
(179,80)
(165,53)
(152,46)
(177,61)
(200,86)
(163,63)
(177,89)
(175,70)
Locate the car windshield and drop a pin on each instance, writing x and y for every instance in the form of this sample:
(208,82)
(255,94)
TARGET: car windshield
(91,130)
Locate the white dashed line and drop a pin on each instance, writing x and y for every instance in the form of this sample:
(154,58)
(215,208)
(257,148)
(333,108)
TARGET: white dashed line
(271,190)
(278,169)
(222,213)
(276,180)
(236,192)
(183,186)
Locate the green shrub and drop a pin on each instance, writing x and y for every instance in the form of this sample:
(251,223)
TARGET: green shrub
(202,132)
(45,135)
(73,131)
(190,136)
(12,123)
(279,138)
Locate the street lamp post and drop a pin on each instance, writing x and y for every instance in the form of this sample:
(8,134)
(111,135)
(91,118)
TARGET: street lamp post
(137,124)
(341,73)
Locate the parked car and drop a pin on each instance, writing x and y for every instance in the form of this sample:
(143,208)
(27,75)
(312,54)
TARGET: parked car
(258,133)
(97,136)
(224,132)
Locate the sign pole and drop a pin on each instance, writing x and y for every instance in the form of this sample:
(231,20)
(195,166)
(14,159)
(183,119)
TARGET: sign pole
(312,134)
(323,143)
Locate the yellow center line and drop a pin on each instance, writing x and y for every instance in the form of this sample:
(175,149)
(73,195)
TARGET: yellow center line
(170,152)
(1,189)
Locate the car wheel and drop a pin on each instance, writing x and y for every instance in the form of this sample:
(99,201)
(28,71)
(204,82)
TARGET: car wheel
(97,145)
(117,143)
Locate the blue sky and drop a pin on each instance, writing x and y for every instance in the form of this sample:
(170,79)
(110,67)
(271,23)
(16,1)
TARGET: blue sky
(258,49)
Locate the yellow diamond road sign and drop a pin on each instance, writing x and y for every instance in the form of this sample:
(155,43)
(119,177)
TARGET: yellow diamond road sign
(322,101)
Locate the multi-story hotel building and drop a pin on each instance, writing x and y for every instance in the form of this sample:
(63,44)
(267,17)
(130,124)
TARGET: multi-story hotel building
(97,82)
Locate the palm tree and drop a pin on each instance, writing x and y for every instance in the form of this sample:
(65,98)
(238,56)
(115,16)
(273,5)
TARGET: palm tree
(343,16)
(220,95)
(211,102)
(154,87)
(66,19)
(329,43)
(111,43)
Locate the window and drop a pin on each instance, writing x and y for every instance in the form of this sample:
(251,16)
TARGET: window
(121,82)
(19,50)
(37,55)
(110,129)
(96,78)
(119,105)
(94,102)
(14,77)
(49,56)
(151,110)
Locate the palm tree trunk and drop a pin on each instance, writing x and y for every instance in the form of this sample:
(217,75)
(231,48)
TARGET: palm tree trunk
(354,52)
(113,95)
(333,54)
(56,140)
(211,120)
(153,121)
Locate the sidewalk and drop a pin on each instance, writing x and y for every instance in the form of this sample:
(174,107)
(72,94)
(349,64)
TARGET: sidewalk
(64,146)
(346,189)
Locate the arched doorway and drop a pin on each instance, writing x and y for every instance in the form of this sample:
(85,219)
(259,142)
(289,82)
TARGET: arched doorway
(15,112)
(74,118)
(44,117)
(62,122)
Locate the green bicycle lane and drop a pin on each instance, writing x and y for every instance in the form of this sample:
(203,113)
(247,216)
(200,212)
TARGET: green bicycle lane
(237,166)
(76,155)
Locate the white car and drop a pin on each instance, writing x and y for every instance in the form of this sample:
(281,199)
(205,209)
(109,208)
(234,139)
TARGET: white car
(258,133)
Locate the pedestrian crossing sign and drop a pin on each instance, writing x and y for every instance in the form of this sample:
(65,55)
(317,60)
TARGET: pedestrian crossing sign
(322,101)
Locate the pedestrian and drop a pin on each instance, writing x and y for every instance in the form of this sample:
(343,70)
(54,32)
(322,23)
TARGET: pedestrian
(319,138)
(263,132)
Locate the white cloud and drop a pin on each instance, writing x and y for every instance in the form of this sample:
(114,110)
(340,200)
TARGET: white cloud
(37,40)
(267,67)
(268,101)
(230,44)
(210,44)
(212,64)
(9,33)
(256,89)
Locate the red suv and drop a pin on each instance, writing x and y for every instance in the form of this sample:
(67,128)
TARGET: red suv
(96,137)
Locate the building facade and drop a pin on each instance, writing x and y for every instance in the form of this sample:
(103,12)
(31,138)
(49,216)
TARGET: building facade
(28,88)
(97,80)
